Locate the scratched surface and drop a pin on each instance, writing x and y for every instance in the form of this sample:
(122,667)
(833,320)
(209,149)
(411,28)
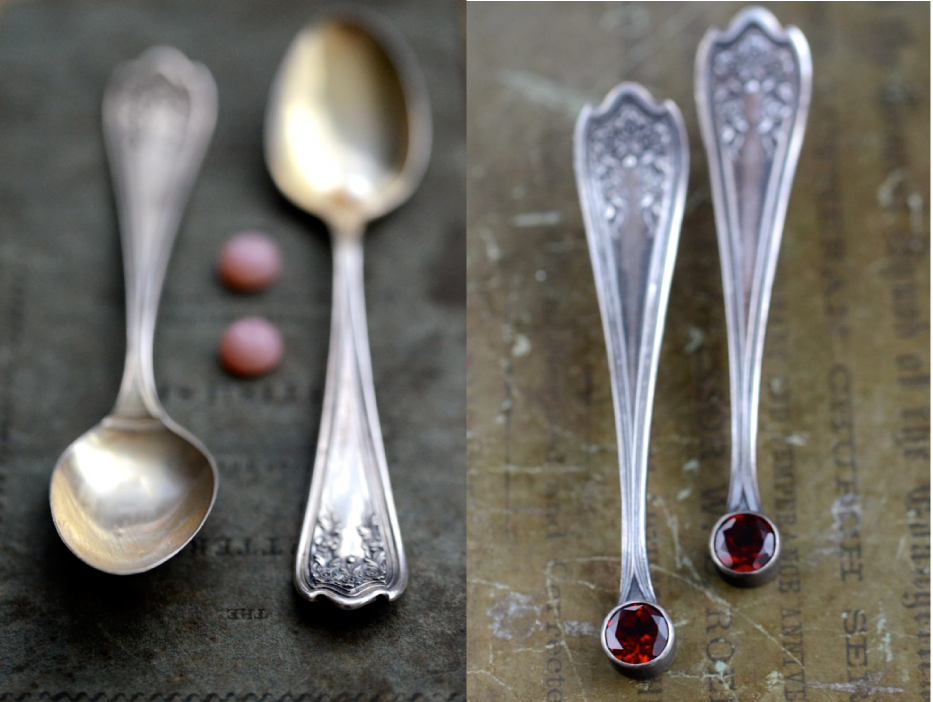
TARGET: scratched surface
(844,441)
(222,618)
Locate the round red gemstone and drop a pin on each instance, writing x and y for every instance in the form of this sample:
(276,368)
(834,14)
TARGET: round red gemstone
(745,543)
(637,633)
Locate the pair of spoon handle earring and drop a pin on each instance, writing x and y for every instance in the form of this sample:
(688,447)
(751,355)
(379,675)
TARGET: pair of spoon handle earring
(631,157)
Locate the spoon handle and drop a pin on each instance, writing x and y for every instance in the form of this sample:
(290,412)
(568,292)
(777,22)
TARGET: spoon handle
(159,114)
(752,91)
(631,161)
(350,550)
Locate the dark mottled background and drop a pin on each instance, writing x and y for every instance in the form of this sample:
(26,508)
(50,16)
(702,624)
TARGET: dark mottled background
(222,617)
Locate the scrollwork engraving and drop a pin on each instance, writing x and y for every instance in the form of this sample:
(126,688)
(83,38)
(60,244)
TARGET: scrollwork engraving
(753,83)
(153,110)
(630,154)
(347,573)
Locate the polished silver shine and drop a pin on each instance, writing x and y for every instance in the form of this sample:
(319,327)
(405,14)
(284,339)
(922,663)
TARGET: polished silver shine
(132,491)
(753,85)
(632,161)
(347,138)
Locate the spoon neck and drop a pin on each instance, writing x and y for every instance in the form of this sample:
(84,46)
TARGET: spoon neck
(346,231)
(137,396)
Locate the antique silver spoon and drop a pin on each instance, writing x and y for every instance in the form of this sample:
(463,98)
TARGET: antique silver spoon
(632,160)
(347,138)
(753,86)
(131,492)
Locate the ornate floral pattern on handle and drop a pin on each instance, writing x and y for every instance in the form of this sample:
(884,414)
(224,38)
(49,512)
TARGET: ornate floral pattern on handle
(347,573)
(753,85)
(632,161)
(350,550)
(154,109)
(755,89)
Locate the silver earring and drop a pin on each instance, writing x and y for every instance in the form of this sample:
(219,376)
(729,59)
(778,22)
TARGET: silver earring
(753,86)
(631,160)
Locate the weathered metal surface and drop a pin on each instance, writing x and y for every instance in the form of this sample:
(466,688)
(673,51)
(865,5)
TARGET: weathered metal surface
(222,618)
(844,441)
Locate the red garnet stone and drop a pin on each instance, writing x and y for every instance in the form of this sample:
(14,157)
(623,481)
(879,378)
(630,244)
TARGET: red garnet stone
(637,633)
(744,543)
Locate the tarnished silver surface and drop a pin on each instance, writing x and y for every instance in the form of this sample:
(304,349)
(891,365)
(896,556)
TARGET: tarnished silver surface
(753,85)
(347,138)
(132,491)
(350,549)
(632,161)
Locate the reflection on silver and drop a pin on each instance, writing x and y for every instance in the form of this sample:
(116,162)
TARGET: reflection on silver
(753,85)
(347,573)
(631,161)
(347,138)
(131,492)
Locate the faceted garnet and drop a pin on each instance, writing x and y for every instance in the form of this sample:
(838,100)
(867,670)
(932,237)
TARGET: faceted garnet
(637,633)
(744,543)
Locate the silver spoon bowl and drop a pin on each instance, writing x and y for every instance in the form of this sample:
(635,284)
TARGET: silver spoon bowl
(131,492)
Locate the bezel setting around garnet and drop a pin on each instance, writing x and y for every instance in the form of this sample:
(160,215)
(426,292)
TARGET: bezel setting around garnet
(648,644)
(745,547)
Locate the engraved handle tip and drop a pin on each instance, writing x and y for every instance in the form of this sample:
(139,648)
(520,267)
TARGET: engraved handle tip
(350,550)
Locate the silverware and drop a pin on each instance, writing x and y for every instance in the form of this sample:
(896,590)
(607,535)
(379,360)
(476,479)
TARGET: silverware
(347,138)
(632,160)
(753,86)
(131,492)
